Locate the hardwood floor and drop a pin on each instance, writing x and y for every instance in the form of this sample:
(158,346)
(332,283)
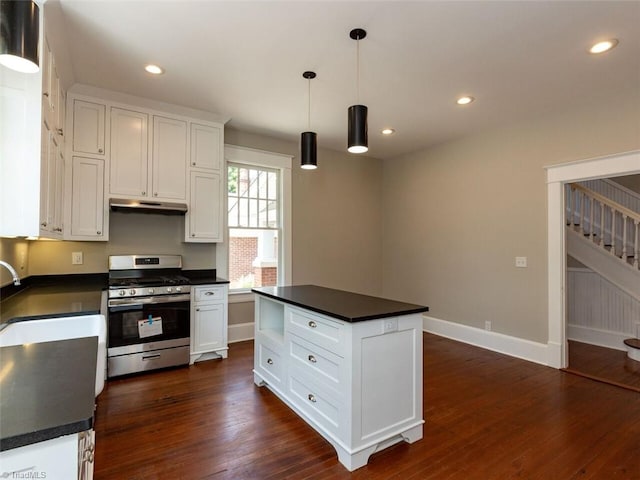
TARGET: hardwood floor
(604,364)
(487,416)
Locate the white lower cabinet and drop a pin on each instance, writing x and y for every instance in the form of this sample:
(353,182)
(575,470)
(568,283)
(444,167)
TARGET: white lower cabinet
(67,457)
(208,322)
(358,384)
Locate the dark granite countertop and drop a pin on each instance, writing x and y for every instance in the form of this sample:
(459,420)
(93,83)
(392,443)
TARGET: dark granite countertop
(48,390)
(203,277)
(347,306)
(54,296)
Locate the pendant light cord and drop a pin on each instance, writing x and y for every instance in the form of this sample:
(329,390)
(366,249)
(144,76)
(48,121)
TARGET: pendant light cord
(309,109)
(358,71)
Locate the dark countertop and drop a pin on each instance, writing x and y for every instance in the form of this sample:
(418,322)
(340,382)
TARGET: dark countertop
(347,306)
(203,277)
(48,390)
(54,296)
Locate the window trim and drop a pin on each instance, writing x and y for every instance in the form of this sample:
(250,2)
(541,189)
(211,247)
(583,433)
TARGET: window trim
(259,158)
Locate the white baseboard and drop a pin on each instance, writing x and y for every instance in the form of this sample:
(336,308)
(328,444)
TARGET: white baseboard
(240,332)
(497,342)
(594,336)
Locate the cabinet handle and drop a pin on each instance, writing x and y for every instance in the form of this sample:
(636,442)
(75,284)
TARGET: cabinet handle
(144,193)
(99,233)
(311,397)
(155,194)
(45,94)
(313,324)
(60,132)
(43,224)
(100,150)
(193,234)
(269,361)
(194,163)
(197,309)
(208,293)
(312,359)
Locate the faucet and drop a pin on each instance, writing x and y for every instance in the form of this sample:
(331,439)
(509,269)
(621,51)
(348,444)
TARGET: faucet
(14,274)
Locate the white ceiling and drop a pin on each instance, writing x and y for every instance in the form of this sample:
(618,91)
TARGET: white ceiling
(245,59)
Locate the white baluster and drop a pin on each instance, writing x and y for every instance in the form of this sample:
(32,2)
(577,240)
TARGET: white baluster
(591,218)
(602,224)
(613,231)
(568,212)
(624,237)
(581,218)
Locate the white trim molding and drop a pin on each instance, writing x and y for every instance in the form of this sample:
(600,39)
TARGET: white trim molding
(627,163)
(240,332)
(596,336)
(494,341)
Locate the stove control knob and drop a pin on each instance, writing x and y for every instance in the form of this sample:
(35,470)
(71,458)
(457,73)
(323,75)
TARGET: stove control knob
(121,293)
(178,289)
(132,292)
(169,289)
(150,291)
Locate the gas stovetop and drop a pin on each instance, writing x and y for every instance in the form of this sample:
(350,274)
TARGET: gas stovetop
(146,275)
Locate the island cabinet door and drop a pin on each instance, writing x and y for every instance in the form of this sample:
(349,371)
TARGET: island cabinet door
(387,365)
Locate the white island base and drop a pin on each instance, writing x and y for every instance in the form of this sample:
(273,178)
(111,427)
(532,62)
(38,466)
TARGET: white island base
(358,384)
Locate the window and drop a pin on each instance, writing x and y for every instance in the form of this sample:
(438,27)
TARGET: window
(257,250)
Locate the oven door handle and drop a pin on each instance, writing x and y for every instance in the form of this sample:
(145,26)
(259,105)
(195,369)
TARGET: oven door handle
(129,302)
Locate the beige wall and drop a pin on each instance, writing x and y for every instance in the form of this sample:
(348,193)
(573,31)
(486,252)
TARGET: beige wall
(130,233)
(456,215)
(16,252)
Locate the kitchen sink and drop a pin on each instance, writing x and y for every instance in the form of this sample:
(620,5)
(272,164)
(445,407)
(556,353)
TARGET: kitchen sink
(61,328)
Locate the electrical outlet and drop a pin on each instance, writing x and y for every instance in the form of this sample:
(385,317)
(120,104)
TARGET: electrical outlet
(76,258)
(521,262)
(390,325)
(487,325)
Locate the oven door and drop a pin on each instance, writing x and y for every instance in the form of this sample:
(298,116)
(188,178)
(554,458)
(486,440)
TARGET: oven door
(152,322)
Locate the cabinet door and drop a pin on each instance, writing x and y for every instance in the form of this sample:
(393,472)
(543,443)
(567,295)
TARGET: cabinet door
(209,328)
(128,175)
(169,164)
(45,182)
(87,198)
(51,185)
(206,145)
(88,127)
(47,95)
(58,186)
(205,210)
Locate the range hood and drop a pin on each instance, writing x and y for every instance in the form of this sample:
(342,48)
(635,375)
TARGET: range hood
(147,206)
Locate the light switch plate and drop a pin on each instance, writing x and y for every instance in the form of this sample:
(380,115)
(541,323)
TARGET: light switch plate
(76,258)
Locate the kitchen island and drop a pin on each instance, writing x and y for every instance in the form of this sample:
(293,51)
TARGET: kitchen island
(350,365)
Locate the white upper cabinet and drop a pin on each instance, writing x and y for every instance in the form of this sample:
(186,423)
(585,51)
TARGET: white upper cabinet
(129,159)
(87,192)
(88,127)
(204,219)
(206,146)
(169,158)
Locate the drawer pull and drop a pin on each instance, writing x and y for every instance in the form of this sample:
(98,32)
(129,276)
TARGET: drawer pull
(311,397)
(269,361)
(151,357)
(312,359)
(313,324)
(209,293)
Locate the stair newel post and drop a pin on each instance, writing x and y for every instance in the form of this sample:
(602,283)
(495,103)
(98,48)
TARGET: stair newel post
(602,231)
(624,237)
(591,201)
(635,243)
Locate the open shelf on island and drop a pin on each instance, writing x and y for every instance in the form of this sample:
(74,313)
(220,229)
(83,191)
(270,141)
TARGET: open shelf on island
(271,318)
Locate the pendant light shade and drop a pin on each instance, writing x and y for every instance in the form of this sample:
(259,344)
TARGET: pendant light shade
(309,140)
(309,150)
(19,35)
(357,137)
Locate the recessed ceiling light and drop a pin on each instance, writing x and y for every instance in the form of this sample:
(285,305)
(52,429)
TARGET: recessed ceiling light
(604,46)
(388,131)
(154,69)
(466,100)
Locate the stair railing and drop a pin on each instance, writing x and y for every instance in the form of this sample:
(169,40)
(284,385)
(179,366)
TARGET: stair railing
(608,224)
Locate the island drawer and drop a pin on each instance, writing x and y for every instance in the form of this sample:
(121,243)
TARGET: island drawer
(320,364)
(316,403)
(317,329)
(269,363)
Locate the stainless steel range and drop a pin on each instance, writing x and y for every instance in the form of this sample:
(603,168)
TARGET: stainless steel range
(148,308)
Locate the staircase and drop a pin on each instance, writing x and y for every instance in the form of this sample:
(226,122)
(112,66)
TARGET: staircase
(604,235)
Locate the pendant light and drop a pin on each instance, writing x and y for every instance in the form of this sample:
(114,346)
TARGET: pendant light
(308,139)
(357,141)
(19,35)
